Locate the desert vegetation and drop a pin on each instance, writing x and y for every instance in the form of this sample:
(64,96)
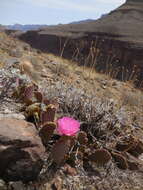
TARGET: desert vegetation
(71,105)
(87,125)
(86,118)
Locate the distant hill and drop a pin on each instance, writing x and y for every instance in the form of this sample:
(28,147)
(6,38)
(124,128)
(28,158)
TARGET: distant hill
(25,27)
(39,26)
(28,27)
(2,27)
(103,15)
(124,24)
(82,21)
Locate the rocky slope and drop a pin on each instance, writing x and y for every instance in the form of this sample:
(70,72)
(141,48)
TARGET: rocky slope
(110,113)
(112,44)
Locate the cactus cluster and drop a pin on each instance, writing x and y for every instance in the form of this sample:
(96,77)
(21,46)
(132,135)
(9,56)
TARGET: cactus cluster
(71,143)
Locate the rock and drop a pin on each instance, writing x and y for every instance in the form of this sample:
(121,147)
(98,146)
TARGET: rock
(26,47)
(103,86)
(12,115)
(56,184)
(68,170)
(2,185)
(16,52)
(44,75)
(18,185)
(11,61)
(7,111)
(114,83)
(21,150)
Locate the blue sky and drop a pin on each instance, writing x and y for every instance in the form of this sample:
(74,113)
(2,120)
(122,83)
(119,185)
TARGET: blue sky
(53,11)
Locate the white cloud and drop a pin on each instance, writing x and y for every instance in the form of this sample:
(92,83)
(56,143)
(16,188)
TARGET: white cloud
(61,4)
(111,1)
(80,5)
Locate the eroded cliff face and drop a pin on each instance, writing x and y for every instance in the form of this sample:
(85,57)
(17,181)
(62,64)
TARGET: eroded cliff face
(112,44)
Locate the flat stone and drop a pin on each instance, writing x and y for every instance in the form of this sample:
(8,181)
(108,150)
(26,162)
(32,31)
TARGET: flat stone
(17,185)
(12,116)
(2,185)
(11,60)
(16,52)
(21,150)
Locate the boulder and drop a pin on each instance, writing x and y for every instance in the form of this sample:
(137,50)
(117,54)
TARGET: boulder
(21,150)
(16,52)
(2,185)
(12,115)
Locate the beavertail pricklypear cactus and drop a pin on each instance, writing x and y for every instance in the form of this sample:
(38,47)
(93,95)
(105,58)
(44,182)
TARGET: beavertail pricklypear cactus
(48,115)
(130,144)
(33,110)
(82,138)
(38,96)
(47,131)
(46,101)
(28,94)
(100,156)
(120,160)
(66,127)
(60,149)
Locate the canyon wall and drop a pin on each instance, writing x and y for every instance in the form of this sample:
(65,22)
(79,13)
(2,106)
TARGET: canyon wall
(112,44)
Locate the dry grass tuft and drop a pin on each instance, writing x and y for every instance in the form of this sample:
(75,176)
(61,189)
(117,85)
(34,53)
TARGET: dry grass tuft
(132,99)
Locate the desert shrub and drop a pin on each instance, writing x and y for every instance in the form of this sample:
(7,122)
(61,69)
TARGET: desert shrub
(94,111)
(8,81)
(132,99)
(59,69)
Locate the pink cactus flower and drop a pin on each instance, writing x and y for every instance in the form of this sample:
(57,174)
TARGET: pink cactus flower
(68,126)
